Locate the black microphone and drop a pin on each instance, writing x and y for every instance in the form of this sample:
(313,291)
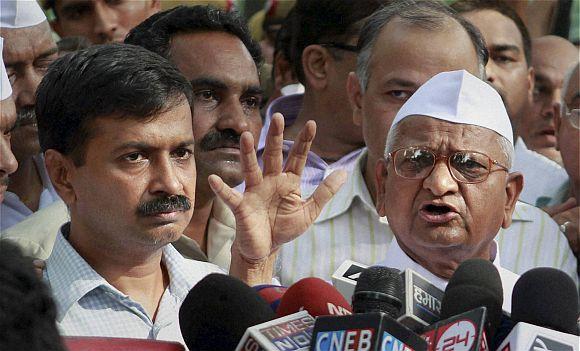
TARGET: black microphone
(544,311)
(378,300)
(405,296)
(546,297)
(217,311)
(475,283)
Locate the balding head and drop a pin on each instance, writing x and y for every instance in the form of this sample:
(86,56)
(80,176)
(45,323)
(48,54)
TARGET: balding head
(552,57)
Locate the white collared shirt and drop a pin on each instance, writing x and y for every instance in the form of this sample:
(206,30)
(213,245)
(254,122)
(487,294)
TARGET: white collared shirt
(88,305)
(543,178)
(14,211)
(397,258)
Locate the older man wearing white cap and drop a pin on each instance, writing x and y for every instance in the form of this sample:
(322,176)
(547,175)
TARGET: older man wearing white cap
(8,163)
(444,184)
(28,50)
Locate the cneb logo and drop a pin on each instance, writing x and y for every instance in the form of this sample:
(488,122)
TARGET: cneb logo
(345,340)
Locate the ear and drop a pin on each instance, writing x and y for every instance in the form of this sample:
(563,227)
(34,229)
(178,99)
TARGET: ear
(315,61)
(60,170)
(531,82)
(155,6)
(513,188)
(557,123)
(354,92)
(381,173)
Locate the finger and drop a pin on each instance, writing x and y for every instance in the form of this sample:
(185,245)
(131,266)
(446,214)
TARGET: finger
(299,152)
(228,195)
(324,193)
(250,168)
(272,155)
(565,206)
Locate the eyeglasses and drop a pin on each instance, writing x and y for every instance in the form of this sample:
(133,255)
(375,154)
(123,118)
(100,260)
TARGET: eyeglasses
(340,46)
(574,117)
(417,162)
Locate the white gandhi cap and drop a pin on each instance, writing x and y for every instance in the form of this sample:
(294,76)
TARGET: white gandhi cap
(5,88)
(20,13)
(459,97)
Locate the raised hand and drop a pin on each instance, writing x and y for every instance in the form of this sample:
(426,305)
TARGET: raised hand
(271,211)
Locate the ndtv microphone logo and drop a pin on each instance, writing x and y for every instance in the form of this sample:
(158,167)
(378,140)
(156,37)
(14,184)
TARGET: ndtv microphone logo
(345,340)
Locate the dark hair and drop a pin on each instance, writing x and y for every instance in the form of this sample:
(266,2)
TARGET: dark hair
(427,14)
(326,20)
(113,80)
(27,312)
(500,6)
(155,32)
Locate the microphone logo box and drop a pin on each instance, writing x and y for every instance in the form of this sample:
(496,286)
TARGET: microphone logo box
(289,333)
(345,277)
(425,306)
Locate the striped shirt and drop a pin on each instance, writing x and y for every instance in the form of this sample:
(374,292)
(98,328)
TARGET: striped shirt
(87,305)
(350,228)
(534,240)
(316,169)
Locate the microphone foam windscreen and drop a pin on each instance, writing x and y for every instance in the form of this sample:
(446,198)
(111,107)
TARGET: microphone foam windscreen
(475,283)
(272,294)
(379,289)
(218,310)
(315,296)
(546,297)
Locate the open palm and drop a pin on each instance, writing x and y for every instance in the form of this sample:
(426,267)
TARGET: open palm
(271,211)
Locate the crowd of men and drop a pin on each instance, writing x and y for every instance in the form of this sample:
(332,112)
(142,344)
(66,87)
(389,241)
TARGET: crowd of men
(426,135)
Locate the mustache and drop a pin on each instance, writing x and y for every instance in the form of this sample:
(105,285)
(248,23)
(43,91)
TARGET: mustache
(164,204)
(224,138)
(26,115)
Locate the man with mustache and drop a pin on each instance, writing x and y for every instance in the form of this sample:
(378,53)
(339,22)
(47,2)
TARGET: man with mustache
(28,50)
(8,163)
(214,51)
(129,183)
(100,21)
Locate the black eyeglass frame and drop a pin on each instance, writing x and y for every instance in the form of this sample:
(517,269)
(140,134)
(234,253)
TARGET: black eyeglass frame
(341,46)
(437,157)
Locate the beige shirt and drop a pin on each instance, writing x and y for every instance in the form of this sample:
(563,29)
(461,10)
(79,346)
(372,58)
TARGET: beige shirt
(36,234)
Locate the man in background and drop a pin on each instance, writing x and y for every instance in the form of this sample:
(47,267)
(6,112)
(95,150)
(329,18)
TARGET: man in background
(509,70)
(28,51)
(8,162)
(552,57)
(100,21)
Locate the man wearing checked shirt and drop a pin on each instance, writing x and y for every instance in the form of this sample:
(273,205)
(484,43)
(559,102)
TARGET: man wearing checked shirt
(400,56)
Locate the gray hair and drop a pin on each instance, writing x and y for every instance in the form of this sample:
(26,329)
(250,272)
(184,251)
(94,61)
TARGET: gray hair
(566,84)
(426,14)
(507,148)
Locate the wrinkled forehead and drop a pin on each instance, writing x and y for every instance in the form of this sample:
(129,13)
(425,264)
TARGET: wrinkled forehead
(445,136)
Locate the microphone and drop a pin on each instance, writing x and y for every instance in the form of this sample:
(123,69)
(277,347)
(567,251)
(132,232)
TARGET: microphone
(218,310)
(545,308)
(475,283)
(405,296)
(377,300)
(460,332)
(345,277)
(272,294)
(289,333)
(546,297)
(315,296)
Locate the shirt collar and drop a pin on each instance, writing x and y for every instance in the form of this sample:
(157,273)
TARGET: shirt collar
(523,212)
(71,278)
(397,258)
(354,188)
